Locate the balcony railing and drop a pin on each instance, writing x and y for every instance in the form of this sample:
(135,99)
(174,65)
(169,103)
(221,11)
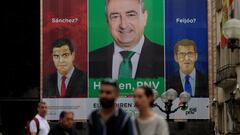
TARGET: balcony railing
(226,75)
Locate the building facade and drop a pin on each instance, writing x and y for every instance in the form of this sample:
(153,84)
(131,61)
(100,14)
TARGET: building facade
(225,71)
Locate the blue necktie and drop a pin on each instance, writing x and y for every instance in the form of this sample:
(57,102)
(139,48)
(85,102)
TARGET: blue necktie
(188,87)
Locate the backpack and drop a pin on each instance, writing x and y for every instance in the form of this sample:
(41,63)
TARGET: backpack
(27,127)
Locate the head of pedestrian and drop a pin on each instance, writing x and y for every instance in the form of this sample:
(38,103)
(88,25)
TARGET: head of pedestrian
(144,98)
(42,109)
(109,93)
(66,119)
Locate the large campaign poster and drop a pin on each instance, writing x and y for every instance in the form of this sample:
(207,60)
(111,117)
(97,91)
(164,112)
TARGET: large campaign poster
(152,43)
(64,82)
(186,46)
(112,31)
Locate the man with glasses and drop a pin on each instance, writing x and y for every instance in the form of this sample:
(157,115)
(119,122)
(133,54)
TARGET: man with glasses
(188,78)
(68,81)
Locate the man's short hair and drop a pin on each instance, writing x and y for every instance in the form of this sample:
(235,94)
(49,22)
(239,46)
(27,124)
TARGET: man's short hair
(185,42)
(62,42)
(110,82)
(41,103)
(64,113)
(140,1)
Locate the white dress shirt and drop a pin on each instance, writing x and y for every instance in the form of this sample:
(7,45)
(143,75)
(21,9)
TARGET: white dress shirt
(117,58)
(43,126)
(68,77)
(192,80)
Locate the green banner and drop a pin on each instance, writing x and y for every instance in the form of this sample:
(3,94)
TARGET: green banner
(126,86)
(99,35)
(150,66)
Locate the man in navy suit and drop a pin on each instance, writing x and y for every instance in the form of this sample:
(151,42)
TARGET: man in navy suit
(68,81)
(188,78)
(131,55)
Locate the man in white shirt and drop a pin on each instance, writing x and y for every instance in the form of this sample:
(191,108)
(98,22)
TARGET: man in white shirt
(40,126)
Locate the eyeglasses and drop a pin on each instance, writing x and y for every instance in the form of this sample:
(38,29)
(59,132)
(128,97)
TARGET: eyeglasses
(183,55)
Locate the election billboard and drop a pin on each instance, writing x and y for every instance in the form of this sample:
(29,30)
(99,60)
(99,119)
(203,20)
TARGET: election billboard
(160,43)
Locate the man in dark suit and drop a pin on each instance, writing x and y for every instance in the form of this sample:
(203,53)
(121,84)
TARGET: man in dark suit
(68,81)
(131,55)
(188,78)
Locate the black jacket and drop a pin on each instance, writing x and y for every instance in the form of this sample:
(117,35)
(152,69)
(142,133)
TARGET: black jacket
(201,87)
(119,123)
(77,86)
(151,61)
(58,130)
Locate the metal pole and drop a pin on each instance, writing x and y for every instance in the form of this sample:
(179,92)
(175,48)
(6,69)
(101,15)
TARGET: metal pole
(168,116)
(168,107)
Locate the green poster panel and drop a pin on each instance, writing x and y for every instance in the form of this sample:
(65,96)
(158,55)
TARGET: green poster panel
(100,36)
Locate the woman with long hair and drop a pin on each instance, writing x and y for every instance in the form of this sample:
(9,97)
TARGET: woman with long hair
(148,122)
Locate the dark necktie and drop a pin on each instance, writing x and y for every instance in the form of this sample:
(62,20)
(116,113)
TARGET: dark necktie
(125,69)
(63,86)
(188,87)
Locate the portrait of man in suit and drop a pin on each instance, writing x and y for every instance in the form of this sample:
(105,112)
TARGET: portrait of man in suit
(132,54)
(68,81)
(188,78)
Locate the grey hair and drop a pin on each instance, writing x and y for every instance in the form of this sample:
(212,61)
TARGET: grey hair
(140,1)
(41,103)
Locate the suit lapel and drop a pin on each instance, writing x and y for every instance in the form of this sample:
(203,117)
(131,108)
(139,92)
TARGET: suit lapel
(109,59)
(55,85)
(179,84)
(143,63)
(71,82)
(198,84)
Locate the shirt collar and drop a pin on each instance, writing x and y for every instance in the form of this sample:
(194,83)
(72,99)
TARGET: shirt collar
(137,49)
(68,75)
(39,117)
(192,75)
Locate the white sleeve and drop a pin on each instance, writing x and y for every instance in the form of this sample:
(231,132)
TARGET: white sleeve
(33,127)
